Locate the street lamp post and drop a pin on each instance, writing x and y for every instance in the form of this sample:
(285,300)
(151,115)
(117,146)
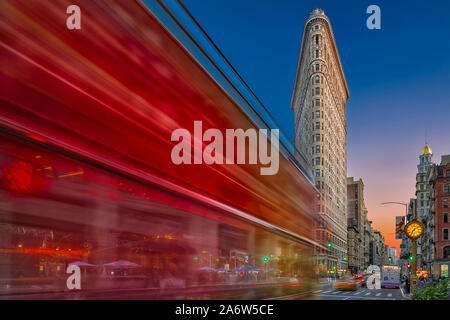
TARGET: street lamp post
(414,229)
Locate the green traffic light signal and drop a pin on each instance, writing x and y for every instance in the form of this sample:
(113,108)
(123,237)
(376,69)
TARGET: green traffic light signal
(329,245)
(266,258)
(334,267)
(411,258)
(345,259)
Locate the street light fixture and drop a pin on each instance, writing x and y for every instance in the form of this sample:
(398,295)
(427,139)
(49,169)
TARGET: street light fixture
(394,202)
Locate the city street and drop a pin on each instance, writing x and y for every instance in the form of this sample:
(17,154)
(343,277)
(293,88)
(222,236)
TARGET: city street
(325,291)
(138,163)
(329,293)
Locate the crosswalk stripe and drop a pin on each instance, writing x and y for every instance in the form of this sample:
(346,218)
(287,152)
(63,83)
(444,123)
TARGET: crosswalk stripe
(336,292)
(317,291)
(389,294)
(327,291)
(378,294)
(368,294)
(356,293)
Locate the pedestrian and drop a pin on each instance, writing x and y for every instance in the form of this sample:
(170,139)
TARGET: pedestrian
(407,285)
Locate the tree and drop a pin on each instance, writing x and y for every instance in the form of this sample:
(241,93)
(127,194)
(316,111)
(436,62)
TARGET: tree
(433,292)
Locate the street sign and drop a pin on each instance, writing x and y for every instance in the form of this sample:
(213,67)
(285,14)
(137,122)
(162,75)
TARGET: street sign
(399,227)
(403,246)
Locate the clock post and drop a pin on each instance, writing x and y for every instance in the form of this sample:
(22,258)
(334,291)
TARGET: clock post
(414,278)
(414,229)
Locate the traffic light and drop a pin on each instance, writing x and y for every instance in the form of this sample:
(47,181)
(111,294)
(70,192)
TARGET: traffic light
(334,267)
(411,258)
(408,265)
(390,259)
(266,258)
(217,259)
(345,258)
(329,245)
(195,258)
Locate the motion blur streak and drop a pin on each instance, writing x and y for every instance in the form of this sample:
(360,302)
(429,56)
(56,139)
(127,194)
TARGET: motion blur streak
(86,177)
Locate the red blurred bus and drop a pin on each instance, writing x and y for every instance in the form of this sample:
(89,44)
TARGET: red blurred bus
(86,177)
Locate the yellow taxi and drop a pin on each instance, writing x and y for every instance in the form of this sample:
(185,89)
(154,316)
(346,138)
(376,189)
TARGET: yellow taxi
(346,283)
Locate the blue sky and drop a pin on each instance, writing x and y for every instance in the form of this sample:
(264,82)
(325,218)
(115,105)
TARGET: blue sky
(399,78)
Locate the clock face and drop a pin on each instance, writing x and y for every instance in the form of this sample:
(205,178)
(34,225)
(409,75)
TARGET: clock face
(414,229)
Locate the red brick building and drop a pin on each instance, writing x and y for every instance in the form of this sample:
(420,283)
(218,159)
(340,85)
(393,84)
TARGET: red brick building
(441,186)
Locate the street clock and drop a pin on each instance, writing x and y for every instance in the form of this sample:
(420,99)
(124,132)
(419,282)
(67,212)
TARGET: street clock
(414,229)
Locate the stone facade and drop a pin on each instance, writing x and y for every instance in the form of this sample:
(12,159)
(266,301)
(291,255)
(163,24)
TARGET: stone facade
(440,183)
(319,104)
(368,235)
(356,217)
(424,244)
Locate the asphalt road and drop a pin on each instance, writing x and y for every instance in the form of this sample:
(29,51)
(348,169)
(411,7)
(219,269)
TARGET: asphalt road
(327,292)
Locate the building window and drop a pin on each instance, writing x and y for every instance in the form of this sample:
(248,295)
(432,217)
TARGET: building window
(446,252)
(317,102)
(317,161)
(317,125)
(447,188)
(317,39)
(445,217)
(317,173)
(317,79)
(317,67)
(317,114)
(317,53)
(317,149)
(445,234)
(317,90)
(445,203)
(447,172)
(318,137)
